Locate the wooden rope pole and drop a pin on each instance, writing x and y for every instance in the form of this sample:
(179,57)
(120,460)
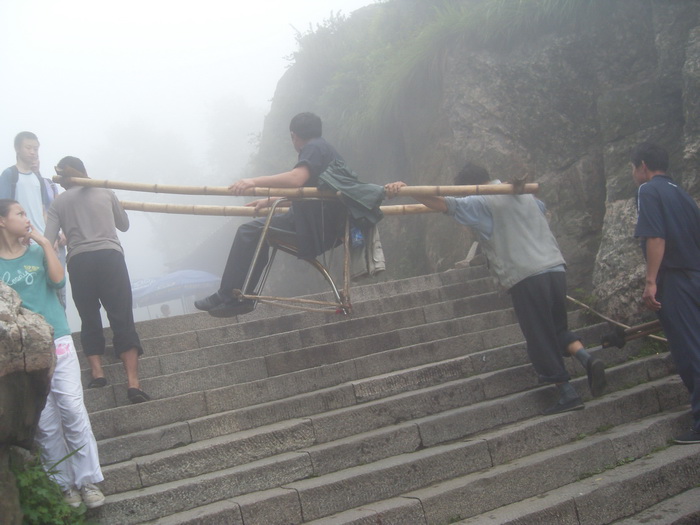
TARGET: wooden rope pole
(611,321)
(407,191)
(247,211)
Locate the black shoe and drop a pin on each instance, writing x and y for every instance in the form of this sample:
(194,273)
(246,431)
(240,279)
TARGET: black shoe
(689,438)
(210,302)
(137,396)
(596,376)
(233,308)
(564,406)
(98,382)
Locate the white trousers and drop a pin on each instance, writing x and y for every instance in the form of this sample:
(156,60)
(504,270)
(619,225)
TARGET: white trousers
(64,425)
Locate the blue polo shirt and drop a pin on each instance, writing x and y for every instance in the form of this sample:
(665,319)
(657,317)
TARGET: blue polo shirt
(665,210)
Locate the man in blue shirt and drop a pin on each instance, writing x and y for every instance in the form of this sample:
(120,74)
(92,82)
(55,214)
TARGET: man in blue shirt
(668,226)
(525,258)
(313,226)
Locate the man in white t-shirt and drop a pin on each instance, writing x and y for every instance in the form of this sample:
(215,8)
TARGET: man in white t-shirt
(23,182)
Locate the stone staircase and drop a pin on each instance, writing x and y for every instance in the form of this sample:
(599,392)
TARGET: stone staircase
(420,407)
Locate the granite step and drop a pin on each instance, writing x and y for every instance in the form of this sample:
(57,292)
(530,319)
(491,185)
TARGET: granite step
(276,361)
(420,407)
(159,348)
(452,465)
(211,454)
(229,408)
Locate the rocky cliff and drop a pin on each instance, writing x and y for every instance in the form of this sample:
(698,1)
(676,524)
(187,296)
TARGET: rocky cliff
(563,102)
(26,364)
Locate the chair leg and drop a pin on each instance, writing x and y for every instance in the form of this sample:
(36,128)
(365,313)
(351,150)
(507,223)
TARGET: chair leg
(328,278)
(266,272)
(292,250)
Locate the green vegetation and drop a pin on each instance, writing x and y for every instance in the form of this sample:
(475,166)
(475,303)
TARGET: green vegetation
(652,347)
(40,497)
(367,71)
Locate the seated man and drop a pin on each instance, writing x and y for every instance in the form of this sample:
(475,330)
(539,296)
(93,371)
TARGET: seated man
(314,225)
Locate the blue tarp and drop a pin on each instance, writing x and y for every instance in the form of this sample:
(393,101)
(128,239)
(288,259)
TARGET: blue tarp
(172,286)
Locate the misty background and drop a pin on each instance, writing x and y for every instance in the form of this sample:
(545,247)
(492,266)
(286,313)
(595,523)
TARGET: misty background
(149,91)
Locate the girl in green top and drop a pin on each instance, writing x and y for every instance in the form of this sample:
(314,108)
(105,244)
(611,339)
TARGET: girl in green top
(34,271)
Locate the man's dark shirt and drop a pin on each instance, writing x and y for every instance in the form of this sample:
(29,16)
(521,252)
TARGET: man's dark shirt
(667,211)
(318,223)
(316,155)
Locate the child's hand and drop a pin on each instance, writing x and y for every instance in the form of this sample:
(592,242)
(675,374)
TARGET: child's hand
(38,238)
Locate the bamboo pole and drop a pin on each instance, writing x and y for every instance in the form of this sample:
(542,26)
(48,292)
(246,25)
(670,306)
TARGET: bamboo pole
(247,211)
(407,191)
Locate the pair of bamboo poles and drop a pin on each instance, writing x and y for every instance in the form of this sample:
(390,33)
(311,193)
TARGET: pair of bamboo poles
(290,193)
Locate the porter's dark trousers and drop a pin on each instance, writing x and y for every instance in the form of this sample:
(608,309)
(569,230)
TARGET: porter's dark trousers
(679,295)
(540,305)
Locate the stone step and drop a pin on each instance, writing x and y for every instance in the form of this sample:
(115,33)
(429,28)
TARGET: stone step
(591,480)
(320,496)
(683,509)
(611,494)
(226,409)
(276,361)
(394,413)
(290,355)
(158,350)
(208,455)
(434,283)
(189,353)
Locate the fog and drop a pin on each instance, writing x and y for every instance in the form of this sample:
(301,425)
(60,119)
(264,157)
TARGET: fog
(150,91)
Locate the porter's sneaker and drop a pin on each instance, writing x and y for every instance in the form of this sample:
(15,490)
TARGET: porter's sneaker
(564,406)
(72,497)
(595,369)
(92,496)
(689,438)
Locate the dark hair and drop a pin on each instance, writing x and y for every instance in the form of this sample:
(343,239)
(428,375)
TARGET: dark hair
(472,174)
(5,205)
(306,126)
(655,157)
(72,162)
(22,136)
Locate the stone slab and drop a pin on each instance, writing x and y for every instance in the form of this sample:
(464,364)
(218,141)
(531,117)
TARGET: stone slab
(364,448)
(170,498)
(683,509)
(224,452)
(142,416)
(387,478)
(395,511)
(272,507)
(399,408)
(126,447)
(278,387)
(220,513)
(267,413)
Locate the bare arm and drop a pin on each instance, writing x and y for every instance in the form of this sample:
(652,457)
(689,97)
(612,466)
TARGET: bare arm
(52,225)
(53,266)
(121,219)
(295,178)
(655,249)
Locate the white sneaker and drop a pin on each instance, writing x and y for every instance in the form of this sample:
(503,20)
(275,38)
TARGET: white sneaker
(72,497)
(92,496)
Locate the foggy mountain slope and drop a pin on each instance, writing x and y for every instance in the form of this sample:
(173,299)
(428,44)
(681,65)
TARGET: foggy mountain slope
(559,90)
